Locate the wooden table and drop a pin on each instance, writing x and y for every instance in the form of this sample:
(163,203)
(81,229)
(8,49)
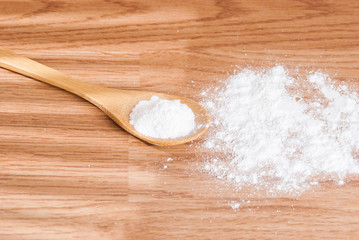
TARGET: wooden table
(68,172)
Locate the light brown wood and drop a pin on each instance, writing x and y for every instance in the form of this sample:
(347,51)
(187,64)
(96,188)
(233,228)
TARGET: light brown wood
(116,103)
(68,172)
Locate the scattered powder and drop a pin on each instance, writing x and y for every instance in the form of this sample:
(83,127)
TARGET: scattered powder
(267,133)
(234,205)
(160,118)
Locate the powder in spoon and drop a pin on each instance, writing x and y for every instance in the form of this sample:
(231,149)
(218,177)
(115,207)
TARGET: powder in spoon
(266,131)
(161,118)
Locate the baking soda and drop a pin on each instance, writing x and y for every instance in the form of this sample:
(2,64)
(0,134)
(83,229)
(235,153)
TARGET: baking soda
(160,118)
(267,133)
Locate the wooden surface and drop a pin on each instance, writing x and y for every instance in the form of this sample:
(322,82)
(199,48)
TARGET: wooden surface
(68,172)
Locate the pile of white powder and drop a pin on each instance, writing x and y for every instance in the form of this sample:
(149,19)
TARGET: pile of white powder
(266,132)
(160,118)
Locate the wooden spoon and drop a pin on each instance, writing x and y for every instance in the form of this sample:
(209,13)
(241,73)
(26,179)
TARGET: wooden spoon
(116,103)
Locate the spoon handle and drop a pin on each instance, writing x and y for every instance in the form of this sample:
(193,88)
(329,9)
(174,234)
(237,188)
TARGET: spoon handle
(25,66)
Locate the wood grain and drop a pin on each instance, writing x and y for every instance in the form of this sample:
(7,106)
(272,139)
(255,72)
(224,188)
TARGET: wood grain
(68,172)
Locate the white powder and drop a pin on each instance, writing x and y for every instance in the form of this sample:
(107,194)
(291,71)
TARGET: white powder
(267,133)
(160,118)
(234,205)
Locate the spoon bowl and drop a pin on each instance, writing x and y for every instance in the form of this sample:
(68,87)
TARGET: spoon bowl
(116,103)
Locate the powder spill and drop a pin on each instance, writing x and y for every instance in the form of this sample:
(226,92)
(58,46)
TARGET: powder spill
(234,205)
(160,118)
(267,133)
